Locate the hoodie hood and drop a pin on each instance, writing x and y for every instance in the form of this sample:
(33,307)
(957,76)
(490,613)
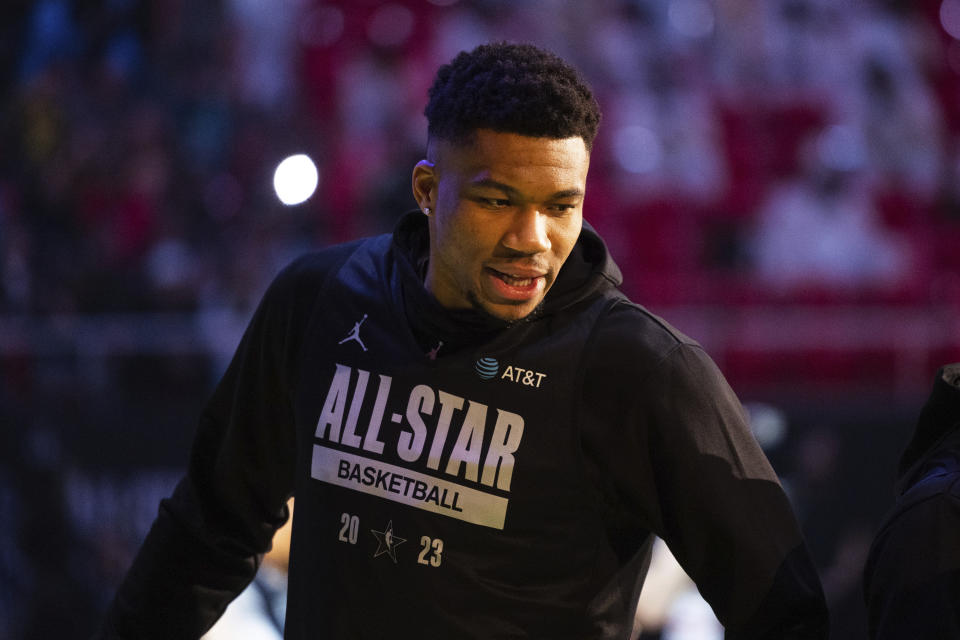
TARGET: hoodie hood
(588,271)
(938,427)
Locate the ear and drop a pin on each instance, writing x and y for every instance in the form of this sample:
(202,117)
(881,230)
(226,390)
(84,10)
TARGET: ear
(425,184)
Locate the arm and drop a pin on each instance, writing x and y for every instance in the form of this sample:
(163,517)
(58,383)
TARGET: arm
(679,453)
(207,540)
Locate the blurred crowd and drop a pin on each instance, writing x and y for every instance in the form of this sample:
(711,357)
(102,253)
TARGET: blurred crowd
(751,150)
(803,147)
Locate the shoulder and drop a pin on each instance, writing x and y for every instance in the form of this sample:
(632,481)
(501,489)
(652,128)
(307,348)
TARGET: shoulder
(931,504)
(303,278)
(630,338)
(315,266)
(639,360)
(289,302)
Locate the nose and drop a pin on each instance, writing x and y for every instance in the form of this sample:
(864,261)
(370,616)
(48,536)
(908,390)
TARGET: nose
(527,233)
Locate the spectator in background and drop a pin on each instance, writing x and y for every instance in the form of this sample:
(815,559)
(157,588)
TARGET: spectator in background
(258,612)
(912,576)
(820,229)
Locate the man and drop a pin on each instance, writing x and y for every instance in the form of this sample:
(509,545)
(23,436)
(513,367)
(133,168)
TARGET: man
(491,452)
(912,575)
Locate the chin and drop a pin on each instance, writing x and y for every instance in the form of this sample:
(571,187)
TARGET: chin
(511,314)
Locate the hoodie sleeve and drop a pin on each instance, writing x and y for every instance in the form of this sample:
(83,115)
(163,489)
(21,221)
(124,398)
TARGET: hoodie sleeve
(207,540)
(676,453)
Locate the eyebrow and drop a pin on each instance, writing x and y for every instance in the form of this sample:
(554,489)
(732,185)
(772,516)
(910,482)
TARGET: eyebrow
(512,191)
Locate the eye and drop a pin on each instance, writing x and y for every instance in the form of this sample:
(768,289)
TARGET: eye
(494,203)
(561,207)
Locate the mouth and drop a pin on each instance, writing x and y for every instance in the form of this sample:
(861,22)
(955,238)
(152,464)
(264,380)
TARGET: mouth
(520,286)
(515,281)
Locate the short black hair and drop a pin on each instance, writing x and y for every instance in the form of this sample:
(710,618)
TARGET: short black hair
(511,88)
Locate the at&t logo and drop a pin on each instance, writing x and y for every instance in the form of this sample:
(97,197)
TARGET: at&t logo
(487,368)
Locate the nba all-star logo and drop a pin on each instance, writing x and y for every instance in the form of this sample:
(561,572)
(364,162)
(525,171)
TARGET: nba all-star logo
(387,542)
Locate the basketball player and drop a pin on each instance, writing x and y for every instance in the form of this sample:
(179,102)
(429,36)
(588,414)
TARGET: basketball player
(483,433)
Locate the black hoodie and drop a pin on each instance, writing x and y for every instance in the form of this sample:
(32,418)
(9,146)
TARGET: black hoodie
(460,477)
(912,575)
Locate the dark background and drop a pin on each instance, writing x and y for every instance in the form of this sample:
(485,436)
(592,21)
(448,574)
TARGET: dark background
(779,179)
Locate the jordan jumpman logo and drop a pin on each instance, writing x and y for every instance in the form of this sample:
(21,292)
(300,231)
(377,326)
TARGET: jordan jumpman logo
(355,334)
(432,354)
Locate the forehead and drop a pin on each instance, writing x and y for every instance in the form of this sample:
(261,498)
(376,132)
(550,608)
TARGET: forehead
(516,159)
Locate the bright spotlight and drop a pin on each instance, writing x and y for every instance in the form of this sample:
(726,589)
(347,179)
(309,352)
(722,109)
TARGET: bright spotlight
(295,179)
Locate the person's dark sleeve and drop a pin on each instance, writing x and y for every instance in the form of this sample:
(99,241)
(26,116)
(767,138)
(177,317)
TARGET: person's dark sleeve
(208,538)
(912,575)
(675,443)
